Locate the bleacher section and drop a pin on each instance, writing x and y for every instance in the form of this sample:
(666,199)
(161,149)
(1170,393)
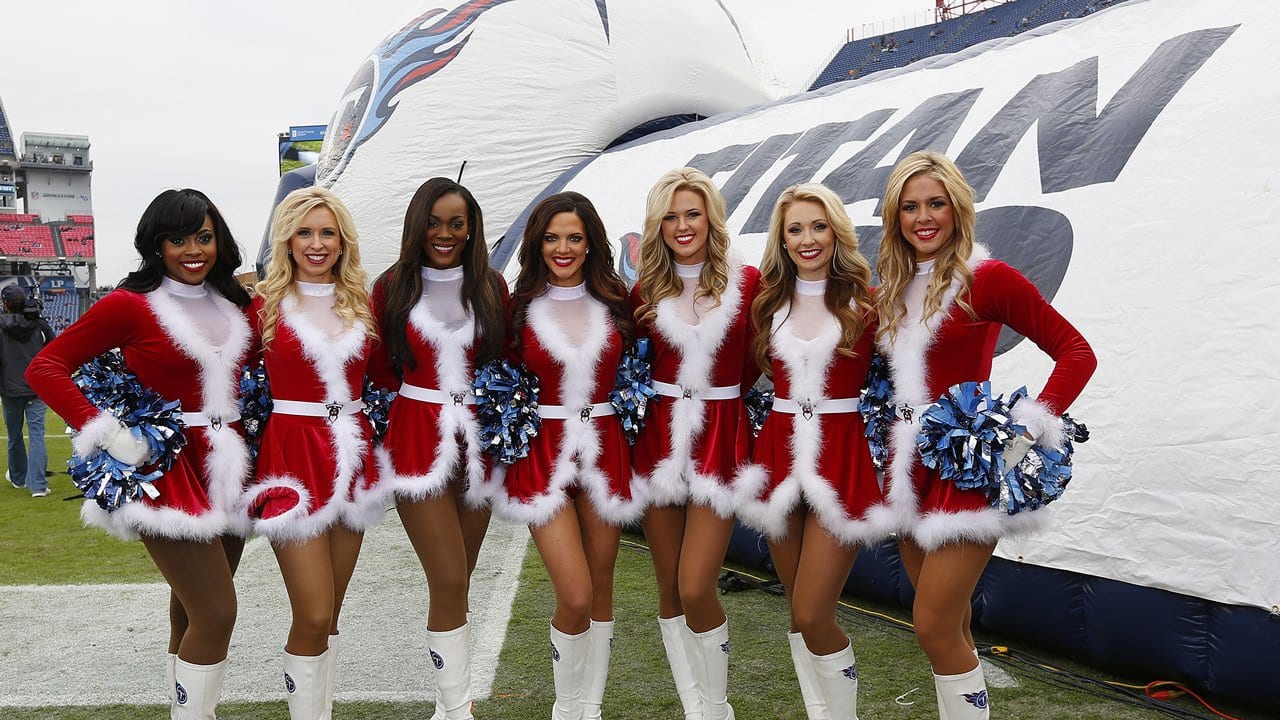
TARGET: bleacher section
(25,236)
(77,241)
(893,50)
(60,309)
(34,241)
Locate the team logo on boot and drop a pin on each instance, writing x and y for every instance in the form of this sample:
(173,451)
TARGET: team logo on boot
(289,684)
(724,647)
(978,699)
(181,692)
(850,672)
(555,653)
(436,659)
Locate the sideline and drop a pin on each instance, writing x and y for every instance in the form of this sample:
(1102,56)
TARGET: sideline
(104,644)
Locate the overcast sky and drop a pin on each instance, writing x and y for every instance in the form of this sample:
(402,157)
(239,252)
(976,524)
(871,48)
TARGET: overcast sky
(193,94)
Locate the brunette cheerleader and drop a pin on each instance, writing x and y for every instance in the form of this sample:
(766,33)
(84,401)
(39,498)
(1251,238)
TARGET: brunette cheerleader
(569,326)
(180,325)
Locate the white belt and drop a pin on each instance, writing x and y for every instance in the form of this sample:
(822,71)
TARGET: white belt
(910,413)
(565,412)
(329,410)
(723,392)
(200,419)
(438,397)
(834,406)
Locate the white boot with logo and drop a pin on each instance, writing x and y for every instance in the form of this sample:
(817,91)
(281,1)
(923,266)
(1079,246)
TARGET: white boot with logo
(678,650)
(837,676)
(963,696)
(568,666)
(304,681)
(170,661)
(814,707)
(597,672)
(710,662)
(196,689)
(451,658)
(331,676)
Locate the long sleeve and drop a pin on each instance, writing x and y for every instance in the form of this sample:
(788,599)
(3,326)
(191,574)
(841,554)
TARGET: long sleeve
(381,371)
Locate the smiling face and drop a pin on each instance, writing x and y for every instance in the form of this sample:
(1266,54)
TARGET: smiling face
(926,215)
(685,227)
(564,249)
(448,232)
(316,245)
(189,259)
(809,238)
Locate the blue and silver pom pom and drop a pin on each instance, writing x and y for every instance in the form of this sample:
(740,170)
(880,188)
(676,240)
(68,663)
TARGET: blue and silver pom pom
(255,404)
(963,436)
(108,384)
(632,389)
(377,406)
(759,403)
(506,409)
(875,403)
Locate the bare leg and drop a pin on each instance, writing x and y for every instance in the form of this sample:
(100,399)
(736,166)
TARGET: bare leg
(559,542)
(200,578)
(664,530)
(944,591)
(706,539)
(600,544)
(823,569)
(435,530)
(344,550)
(233,547)
(474,523)
(786,557)
(307,570)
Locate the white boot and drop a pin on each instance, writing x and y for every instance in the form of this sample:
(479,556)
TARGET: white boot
(169,661)
(568,665)
(330,676)
(451,658)
(196,689)
(837,676)
(304,680)
(814,707)
(673,639)
(963,696)
(710,661)
(597,672)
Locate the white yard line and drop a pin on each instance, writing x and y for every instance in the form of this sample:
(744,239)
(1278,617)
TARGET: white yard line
(105,644)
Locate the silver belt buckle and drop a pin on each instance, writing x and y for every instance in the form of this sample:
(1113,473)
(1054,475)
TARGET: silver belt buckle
(334,408)
(458,398)
(688,393)
(215,423)
(585,414)
(806,409)
(906,412)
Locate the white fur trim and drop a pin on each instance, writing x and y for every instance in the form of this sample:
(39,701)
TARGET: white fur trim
(1044,425)
(537,511)
(226,467)
(768,516)
(296,524)
(132,519)
(988,525)
(93,435)
(673,478)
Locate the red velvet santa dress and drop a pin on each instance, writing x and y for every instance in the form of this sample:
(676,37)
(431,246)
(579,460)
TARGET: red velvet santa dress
(571,344)
(812,448)
(315,463)
(696,430)
(927,358)
(432,435)
(187,343)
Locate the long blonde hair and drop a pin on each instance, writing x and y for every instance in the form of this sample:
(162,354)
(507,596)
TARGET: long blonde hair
(658,279)
(848,294)
(350,280)
(896,263)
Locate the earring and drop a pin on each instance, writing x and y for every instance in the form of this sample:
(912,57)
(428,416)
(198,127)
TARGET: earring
(468,236)
(290,252)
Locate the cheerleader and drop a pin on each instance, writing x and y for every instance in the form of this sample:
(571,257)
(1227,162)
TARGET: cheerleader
(941,302)
(440,308)
(693,300)
(814,327)
(569,325)
(315,488)
(180,325)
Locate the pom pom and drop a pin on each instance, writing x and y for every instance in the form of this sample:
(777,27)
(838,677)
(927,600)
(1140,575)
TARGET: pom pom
(875,403)
(759,403)
(377,407)
(109,385)
(255,404)
(632,389)
(963,435)
(506,409)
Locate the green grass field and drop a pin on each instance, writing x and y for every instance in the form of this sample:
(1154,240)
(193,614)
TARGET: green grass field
(42,542)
